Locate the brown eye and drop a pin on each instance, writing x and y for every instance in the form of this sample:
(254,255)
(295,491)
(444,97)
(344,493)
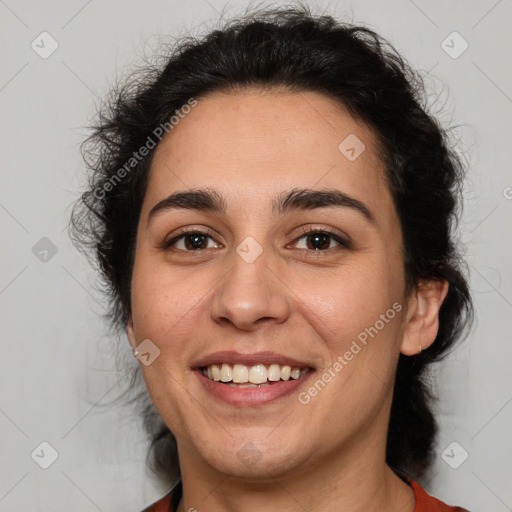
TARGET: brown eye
(321,240)
(317,240)
(189,241)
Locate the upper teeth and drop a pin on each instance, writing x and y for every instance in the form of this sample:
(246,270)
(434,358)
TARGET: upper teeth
(257,374)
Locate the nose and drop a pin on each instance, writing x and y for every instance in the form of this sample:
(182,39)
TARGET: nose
(251,294)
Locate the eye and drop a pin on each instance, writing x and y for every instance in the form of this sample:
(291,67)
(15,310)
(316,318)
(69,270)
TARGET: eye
(319,240)
(190,241)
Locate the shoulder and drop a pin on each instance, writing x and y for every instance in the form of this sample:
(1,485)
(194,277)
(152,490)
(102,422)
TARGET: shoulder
(162,505)
(427,503)
(169,502)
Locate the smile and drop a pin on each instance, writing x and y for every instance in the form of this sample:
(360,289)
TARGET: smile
(258,375)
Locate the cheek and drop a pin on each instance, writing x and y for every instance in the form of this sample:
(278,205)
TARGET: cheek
(161,294)
(162,309)
(337,301)
(351,299)
(358,315)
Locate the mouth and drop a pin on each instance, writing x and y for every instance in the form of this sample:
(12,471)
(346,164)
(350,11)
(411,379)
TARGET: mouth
(258,375)
(247,380)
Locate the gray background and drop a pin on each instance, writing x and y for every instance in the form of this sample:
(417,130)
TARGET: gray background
(57,368)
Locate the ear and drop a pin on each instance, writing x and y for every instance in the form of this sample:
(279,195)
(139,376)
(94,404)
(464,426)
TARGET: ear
(130,332)
(422,317)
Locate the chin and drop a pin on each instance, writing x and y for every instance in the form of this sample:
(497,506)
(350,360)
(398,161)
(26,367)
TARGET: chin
(258,459)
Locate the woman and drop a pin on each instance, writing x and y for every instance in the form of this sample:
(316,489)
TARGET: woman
(272,213)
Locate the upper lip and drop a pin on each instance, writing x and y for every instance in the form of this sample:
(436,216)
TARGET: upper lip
(231,357)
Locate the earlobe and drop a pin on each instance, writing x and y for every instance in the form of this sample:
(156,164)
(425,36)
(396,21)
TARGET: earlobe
(422,322)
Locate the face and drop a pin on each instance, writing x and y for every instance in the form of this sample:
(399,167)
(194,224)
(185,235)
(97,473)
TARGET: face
(316,285)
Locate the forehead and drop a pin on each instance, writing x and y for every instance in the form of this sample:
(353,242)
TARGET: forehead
(252,145)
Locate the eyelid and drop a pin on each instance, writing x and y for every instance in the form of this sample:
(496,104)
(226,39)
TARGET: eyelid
(203,230)
(336,233)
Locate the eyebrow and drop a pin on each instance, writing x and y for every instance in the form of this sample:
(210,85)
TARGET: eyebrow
(210,200)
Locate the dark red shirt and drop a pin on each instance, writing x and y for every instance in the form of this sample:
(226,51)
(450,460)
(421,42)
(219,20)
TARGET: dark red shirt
(424,501)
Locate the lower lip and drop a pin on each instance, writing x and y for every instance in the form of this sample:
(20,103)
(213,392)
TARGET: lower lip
(247,397)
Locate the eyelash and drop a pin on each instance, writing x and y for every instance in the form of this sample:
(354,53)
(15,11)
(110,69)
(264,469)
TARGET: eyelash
(305,231)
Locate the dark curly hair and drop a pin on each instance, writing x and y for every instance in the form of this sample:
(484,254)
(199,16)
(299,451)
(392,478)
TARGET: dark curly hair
(292,48)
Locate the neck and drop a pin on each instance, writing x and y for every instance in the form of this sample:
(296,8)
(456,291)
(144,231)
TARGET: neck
(328,485)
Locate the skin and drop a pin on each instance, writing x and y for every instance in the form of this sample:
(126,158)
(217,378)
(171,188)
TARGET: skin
(330,453)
